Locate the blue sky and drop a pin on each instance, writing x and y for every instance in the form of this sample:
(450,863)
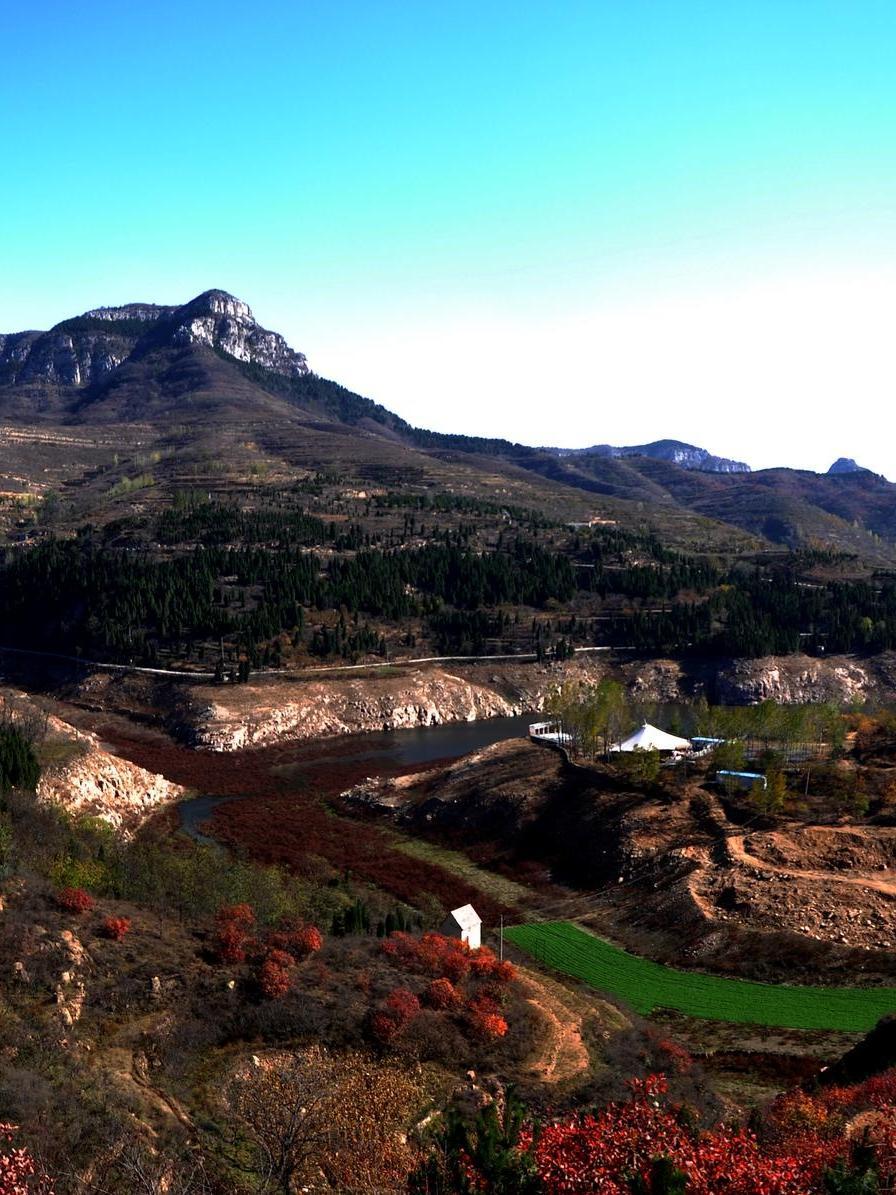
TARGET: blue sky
(566,223)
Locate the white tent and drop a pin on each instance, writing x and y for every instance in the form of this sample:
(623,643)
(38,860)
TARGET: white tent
(649,738)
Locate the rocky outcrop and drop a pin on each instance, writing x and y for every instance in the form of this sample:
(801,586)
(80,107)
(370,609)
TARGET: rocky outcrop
(85,779)
(845,464)
(219,320)
(687,456)
(84,350)
(798,679)
(65,358)
(249,715)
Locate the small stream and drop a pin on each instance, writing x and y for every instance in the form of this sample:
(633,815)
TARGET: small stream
(378,753)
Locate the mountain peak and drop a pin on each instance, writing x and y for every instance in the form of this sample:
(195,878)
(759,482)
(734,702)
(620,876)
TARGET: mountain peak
(222,321)
(88,348)
(221,303)
(845,464)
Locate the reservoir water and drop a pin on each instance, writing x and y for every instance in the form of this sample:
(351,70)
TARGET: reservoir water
(323,763)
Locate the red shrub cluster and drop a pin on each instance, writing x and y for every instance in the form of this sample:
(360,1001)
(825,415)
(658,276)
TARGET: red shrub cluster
(19,1173)
(442,993)
(275,974)
(596,1153)
(233,932)
(483,1017)
(678,1058)
(74,900)
(398,1010)
(451,962)
(432,954)
(116,928)
(300,940)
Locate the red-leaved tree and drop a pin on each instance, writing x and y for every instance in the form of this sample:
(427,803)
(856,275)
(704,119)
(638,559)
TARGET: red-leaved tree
(20,1174)
(275,974)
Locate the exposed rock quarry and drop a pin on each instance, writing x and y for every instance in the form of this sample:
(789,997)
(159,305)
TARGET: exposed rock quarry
(79,774)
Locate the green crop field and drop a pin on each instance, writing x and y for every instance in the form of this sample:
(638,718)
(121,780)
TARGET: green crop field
(649,986)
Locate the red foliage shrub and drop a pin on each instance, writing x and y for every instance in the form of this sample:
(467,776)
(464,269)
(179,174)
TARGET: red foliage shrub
(398,1010)
(483,1005)
(678,1058)
(432,954)
(274,978)
(116,928)
(383,1026)
(74,900)
(503,972)
(233,935)
(403,1004)
(301,941)
(485,1024)
(596,1153)
(242,914)
(441,993)
(232,941)
(482,962)
(19,1173)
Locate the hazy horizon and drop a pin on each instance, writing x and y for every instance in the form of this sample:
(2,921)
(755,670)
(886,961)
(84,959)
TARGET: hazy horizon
(598,224)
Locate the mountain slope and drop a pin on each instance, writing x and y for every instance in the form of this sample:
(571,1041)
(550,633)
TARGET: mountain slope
(201,392)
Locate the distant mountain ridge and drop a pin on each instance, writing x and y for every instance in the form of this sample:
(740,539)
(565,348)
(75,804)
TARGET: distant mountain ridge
(205,390)
(688,456)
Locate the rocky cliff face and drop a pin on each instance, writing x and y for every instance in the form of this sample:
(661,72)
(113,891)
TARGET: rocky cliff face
(85,350)
(221,321)
(61,357)
(796,680)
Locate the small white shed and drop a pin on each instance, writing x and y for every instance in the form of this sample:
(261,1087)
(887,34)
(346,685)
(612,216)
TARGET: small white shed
(464,923)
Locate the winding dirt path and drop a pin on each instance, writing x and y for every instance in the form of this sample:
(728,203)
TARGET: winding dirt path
(566,1054)
(738,853)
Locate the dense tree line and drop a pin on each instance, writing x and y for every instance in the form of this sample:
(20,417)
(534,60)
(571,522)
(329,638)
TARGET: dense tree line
(77,596)
(774,614)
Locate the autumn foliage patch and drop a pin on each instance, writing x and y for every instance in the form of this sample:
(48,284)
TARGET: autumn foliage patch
(275,953)
(20,1174)
(74,900)
(470,984)
(116,928)
(275,974)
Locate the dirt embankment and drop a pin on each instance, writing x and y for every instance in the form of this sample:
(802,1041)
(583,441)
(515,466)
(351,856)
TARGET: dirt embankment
(227,719)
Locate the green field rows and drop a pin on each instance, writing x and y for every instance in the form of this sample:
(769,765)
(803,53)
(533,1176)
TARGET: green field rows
(649,986)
